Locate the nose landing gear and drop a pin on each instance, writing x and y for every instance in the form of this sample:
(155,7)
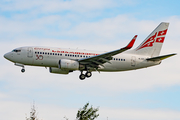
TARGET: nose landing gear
(22,70)
(20,65)
(83,76)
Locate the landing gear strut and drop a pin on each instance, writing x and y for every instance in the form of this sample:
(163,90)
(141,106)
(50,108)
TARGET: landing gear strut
(87,74)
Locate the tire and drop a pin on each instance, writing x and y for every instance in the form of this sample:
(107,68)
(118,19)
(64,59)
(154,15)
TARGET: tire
(82,77)
(23,70)
(88,74)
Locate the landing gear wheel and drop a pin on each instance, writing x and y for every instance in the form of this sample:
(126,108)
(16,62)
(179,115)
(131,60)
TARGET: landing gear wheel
(82,77)
(88,74)
(23,70)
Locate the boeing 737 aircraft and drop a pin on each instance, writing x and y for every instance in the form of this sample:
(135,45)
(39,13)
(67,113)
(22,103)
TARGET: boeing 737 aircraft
(64,61)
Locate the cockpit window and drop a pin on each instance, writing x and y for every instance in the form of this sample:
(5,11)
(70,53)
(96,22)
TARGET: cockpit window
(16,50)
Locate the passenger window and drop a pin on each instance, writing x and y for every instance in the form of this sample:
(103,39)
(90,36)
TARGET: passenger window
(74,55)
(50,53)
(45,53)
(55,53)
(114,59)
(65,54)
(40,52)
(60,54)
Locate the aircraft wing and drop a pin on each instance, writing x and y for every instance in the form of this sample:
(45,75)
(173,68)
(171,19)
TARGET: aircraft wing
(94,61)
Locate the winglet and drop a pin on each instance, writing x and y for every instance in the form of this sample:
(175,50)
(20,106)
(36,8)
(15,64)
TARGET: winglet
(130,45)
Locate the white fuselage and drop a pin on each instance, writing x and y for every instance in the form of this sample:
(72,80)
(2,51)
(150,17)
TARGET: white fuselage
(64,61)
(49,57)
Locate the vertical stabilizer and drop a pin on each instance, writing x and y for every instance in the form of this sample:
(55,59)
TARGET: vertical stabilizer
(152,45)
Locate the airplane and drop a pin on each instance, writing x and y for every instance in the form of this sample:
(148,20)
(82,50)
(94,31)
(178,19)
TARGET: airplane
(64,61)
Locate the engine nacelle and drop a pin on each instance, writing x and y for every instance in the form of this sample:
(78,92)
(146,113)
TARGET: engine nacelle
(66,64)
(58,71)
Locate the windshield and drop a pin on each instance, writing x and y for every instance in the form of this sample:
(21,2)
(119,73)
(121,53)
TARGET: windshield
(16,50)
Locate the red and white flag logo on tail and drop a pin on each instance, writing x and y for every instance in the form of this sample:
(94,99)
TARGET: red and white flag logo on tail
(149,42)
(160,39)
(162,32)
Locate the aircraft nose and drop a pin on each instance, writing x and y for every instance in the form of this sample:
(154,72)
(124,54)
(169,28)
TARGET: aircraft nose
(7,56)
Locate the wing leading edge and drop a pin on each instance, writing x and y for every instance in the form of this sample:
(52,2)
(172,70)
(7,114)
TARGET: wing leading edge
(94,61)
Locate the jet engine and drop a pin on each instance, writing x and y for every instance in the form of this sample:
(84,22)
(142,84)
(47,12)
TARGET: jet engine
(70,65)
(58,71)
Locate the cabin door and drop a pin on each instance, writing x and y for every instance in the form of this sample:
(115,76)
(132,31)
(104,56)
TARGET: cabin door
(133,61)
(30,52)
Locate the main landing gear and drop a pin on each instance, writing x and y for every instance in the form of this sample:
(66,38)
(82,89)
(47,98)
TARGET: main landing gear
(83,76)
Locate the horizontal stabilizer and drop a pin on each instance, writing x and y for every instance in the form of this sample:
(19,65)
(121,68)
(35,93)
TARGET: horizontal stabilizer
(160,57)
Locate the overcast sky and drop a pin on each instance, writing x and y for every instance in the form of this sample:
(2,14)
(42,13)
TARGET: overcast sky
(146,94)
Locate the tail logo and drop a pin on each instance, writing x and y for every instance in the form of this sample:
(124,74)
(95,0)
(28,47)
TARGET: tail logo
(159,38)
(161,33)
(149,42)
